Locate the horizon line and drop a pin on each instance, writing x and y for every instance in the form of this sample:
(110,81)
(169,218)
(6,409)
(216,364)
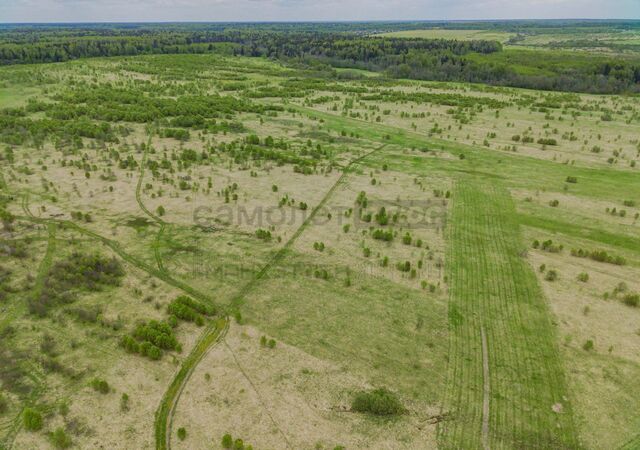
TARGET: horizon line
(577,19)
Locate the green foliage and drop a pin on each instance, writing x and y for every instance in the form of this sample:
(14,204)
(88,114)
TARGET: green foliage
(75,274)
(159,334)
(548,246)
(551,275)
(31,419)
(182,433)
(4,404)
(583,277)
(124,402)
(185,308)
(100,385)
(382,235)
(60,439)
(632,300)
(380,402)
(227,441)
(264,235)
(150,339)
(600,256)
(381,217)
(547,141)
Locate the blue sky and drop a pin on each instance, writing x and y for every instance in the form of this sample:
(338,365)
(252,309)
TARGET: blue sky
(292,10)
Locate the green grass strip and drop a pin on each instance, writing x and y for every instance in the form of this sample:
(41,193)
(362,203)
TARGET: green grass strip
(494,292)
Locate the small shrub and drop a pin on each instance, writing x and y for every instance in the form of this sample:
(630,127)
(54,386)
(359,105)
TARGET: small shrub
(227,441)
(632,300)
(380,402)
(60,439)
(600,256)
(382,235)
(551,275)
(588,345)
(583,277)
(264,235)
(182,433)
(124,402)
(99,385)
(32,419)
(548,246)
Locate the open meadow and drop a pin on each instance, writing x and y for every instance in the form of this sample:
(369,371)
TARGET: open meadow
(206,251)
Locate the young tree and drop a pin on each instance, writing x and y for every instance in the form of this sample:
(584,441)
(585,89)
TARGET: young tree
(227,441)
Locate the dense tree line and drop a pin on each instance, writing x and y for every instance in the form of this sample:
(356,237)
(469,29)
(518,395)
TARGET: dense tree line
(425,59)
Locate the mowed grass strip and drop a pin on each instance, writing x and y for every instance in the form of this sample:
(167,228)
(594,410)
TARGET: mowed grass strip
(492,288)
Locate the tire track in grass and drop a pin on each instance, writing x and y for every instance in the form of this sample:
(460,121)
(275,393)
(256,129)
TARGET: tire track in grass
(116,247)
(166,410)
(486,392)
(281,254)
(633,444)
(213,335)
(16,423)
(156,218)
(504,374)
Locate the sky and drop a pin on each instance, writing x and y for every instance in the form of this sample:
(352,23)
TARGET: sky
(309,10)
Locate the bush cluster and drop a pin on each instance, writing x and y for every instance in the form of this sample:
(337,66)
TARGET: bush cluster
(380,402)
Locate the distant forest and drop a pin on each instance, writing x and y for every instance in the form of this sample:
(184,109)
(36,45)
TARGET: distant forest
(341,45)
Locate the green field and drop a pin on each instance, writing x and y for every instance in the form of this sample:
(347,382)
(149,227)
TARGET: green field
(587,39)
(452,34)
(503,353)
